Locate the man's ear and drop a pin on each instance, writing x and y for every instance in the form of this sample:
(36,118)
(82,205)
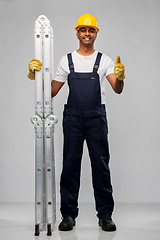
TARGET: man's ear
(77,34)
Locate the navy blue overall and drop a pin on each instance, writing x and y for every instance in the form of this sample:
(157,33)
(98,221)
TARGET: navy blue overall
(84,118)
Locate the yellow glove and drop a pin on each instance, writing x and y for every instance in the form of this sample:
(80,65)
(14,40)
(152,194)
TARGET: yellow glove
(119,69)
(33,65)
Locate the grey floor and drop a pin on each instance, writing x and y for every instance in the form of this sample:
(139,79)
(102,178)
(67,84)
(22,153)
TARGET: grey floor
(134,221)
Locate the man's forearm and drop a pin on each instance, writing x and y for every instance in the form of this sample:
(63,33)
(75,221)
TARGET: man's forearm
(55,87)
(118,87)
(116,84)
(52,92)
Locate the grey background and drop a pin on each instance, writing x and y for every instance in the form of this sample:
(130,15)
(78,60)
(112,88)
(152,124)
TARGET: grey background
(129,29)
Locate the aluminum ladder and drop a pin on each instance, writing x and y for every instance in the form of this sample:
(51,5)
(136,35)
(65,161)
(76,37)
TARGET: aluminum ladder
(44,122)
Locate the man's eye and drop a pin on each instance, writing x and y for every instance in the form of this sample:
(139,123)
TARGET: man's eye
(83,30)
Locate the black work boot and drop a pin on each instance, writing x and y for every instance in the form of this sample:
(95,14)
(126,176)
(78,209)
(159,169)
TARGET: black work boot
(107,224)
(67,223)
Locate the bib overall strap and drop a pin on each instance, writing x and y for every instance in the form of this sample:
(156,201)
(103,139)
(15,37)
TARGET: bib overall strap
(70,62)
(97,62)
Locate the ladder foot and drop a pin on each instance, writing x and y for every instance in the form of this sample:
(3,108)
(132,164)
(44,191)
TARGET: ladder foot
(37,232)
(49,231)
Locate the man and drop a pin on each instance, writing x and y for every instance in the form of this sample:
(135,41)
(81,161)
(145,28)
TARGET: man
(84,118)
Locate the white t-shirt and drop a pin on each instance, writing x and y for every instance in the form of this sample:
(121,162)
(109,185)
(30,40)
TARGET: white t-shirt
(85,64)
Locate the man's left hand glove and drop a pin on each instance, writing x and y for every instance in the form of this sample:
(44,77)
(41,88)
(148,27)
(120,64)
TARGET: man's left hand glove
(33,65)
(119,69)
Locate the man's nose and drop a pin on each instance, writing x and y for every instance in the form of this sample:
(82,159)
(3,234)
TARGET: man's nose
(87,32)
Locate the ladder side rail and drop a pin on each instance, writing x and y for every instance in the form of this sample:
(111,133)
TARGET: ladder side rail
(49,180)
(47,69)
(53,176)
(47,59)
(50,121)
(37,121)
(52,133)
(38,74)
(52,66)
(39,131)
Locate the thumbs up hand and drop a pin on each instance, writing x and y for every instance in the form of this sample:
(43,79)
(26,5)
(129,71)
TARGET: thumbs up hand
(119,69)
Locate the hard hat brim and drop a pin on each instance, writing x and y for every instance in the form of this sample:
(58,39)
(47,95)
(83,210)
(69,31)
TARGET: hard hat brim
(77,27)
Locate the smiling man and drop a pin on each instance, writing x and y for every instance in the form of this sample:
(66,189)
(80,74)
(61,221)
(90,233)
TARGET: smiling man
(84,119)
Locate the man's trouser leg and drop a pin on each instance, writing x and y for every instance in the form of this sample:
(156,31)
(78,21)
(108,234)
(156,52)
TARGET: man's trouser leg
(73,148)
(97,142)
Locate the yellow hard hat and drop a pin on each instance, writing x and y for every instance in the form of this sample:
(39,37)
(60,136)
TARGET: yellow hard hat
(87,20)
